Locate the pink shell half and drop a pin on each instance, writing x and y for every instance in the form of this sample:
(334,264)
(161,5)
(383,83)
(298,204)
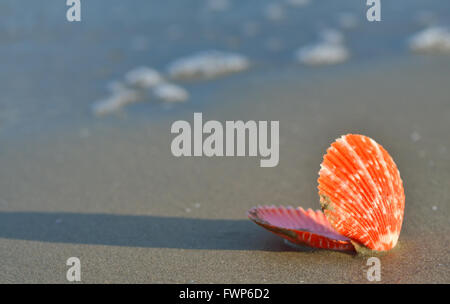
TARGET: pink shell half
(299,226)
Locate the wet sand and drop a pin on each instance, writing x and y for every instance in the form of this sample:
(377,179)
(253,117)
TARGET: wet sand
(109,191)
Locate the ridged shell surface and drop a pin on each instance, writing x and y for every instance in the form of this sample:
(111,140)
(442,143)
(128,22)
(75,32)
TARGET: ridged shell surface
(361,192)
(307,227)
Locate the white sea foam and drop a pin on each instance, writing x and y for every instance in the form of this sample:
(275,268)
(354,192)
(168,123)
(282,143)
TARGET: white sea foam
(115,102)
(329,50)
(137,81)
(207,64)
(143,77)
(169,92)
(431,40)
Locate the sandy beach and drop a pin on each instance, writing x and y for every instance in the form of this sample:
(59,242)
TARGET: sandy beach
(110,192)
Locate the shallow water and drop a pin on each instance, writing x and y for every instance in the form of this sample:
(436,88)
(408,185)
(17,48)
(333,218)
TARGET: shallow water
(52,71)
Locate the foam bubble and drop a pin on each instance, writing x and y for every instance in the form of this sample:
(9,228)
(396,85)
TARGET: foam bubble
(143,77)
(169,92)
(322,54)
(329,50)
(207,64)
(115,102)
(431,40)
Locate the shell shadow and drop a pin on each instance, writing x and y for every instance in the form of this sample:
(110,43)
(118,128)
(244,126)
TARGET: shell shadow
(138,231)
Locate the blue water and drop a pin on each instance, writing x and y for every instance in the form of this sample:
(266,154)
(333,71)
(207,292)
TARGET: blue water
(51,71)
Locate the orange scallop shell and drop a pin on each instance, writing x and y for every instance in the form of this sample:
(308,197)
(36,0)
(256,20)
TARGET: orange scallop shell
(362,198)
(361,192)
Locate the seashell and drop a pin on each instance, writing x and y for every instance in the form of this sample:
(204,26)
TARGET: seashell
(300,227)
(361,192)
(362,198)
